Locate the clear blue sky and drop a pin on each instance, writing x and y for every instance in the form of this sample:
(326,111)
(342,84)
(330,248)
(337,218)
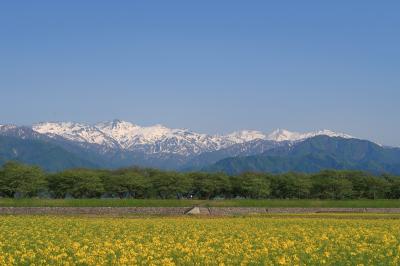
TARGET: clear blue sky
(211,66)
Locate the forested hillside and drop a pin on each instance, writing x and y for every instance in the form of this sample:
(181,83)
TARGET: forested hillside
(316,154)
(49,156)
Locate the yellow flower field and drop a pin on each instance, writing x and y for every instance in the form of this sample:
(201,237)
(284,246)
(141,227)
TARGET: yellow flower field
(44,240)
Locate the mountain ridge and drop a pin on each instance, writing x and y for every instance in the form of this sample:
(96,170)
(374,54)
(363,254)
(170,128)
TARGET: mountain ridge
(49,156)
(118,143)
(316,154)
(126,134)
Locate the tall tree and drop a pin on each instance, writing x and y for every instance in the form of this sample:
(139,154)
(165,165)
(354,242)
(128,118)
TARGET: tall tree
(79,183)
(251,185)
(21,180)
(127,184)
(171,185)
(210,185)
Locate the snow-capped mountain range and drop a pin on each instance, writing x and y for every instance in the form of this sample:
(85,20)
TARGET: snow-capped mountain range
(57,146)
(119,143)
(160,139)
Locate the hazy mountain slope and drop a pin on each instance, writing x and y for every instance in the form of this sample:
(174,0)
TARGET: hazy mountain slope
(315,154)
(254,147)
(49,156)
(89,151)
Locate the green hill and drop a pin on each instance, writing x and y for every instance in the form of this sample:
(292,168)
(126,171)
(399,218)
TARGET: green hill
(46,155)
(316,154)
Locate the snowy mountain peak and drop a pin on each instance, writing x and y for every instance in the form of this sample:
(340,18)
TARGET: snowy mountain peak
(78,132)
(283,135)
(7,127)
(128,134)
(330,133)
(246,135)
(286,135)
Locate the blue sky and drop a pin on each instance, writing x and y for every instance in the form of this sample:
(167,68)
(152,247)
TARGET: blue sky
(211,66)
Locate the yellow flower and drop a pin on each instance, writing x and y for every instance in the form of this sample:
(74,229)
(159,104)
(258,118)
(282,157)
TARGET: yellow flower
(256,240)
(282,260)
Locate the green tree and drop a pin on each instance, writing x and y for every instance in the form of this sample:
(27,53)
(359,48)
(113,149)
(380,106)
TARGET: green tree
(127,184)
(331,185)
(290,185)
(171,185)
(394,189)
(358,180)
(22,180)
(211,185)
(251,185)
(377,187)
(79,183)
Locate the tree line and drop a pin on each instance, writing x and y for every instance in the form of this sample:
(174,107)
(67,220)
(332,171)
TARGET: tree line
(20,180)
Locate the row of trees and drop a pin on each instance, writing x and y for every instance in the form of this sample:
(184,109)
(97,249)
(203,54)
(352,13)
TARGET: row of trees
(19,180)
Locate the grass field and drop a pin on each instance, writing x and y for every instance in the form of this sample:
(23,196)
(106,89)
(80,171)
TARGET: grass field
(188,203)
(258,240)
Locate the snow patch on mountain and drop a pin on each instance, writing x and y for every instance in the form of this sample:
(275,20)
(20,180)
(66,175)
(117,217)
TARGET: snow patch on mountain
(78,132)
(159,138)
(285,135)
(4,128)
(246,136)
(128,134)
